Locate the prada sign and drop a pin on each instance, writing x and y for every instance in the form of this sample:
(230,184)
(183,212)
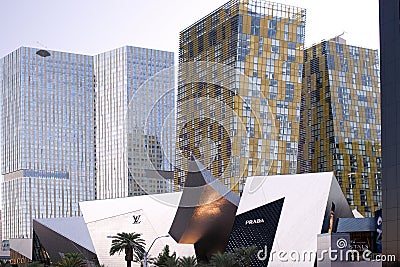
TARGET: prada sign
(255,221)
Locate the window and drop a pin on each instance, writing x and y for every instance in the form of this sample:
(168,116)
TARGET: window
(255,26)
(272,29)
(369,115)
(273,89)
(286,32)
(291,52)
(215,20)
(190,50)
(275,47)
(200,43)
(300,34)
(186,36)
(344,65)
(339,48)
(270,68)
(289,95)
(286,67)
(212,38)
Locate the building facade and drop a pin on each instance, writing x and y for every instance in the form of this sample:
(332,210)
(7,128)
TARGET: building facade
(47,137)
(132,102)
(239,91)
(341,120)
(390,72)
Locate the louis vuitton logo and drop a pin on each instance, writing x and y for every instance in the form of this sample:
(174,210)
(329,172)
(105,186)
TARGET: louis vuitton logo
(136,219)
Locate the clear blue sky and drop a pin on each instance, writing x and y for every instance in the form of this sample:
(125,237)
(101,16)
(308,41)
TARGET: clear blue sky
(93,26)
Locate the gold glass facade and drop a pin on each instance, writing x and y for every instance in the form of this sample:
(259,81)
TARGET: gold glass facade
(341,120)
(240,114)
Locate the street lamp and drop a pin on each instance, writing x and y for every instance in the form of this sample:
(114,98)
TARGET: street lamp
(147,252)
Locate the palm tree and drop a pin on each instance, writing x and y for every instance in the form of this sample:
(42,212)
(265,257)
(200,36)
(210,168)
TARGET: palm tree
(131,243)
(71,260)
(164,259)
(244,255)
(171,262)
(223,260)
(187,261)
(140,258)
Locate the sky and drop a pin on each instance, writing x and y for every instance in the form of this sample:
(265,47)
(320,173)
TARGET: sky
(95,26)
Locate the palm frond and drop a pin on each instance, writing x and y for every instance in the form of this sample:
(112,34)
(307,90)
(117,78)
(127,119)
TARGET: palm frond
(187,261)
(131,243)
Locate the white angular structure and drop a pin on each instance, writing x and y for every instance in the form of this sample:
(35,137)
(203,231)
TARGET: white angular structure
(149,215)
(303,205)
(280,213)
(60,236)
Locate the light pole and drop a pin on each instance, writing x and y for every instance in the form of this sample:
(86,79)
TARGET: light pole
(147,252)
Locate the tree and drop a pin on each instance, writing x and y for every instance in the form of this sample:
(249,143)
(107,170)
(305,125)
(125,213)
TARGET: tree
(164,259)
(140,258)
(223,260)
(131,243)
(71,260)
(187,261)
(244,255)
(4,263)
(171,262)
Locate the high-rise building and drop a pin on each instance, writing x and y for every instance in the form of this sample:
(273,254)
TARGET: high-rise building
(47,156)
(239,91)
(390,74)
(134,99)
(340,127)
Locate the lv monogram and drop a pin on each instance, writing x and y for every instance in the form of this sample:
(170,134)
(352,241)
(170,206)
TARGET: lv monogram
(136,219)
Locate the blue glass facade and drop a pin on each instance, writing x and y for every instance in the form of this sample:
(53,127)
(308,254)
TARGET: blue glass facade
(131,109)
(47,137)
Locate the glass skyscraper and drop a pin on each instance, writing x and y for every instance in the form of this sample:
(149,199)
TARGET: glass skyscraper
(239,91)
(341,120)
(47,156)
(134,100)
